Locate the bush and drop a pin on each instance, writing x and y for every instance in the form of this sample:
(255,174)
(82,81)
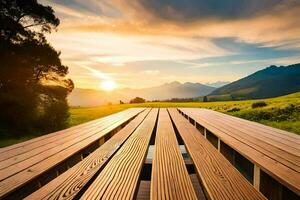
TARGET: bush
(259,104)
(234,110)
(289,113)
(137,100)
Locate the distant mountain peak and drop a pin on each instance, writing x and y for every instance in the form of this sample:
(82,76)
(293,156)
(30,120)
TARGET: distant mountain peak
(266,83)
(217,84)
(166,91)
(190,83)
(174,83)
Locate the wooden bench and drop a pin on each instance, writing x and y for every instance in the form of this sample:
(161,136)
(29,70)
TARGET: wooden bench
(170,178)
(119,179)
(265,155)
(111,158)
(70,183)
(220,179)
(25,163)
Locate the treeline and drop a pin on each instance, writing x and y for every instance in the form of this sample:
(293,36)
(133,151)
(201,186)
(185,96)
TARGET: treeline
(210,98)
(33,87)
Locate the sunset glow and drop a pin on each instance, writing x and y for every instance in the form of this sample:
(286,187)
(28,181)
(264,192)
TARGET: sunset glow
(108,85)
(185,41)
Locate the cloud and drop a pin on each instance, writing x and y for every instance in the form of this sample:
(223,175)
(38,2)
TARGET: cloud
(273,23)
(184,40)
(194,10)
(115,49)
(151,72)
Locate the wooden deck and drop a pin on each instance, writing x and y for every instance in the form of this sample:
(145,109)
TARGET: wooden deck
(263,154)
(144,153)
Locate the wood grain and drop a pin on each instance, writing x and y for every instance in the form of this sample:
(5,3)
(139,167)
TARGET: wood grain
(119,178)
(269,164)
(20,175)
(67,185)
(219,178)
(42,148)
(10,170)
(170,178)
(21,145)
(280,152)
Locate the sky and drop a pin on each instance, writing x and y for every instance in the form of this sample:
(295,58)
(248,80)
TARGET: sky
(142,43)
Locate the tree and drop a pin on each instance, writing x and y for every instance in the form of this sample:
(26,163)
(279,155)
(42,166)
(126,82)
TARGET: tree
(205,99)
(137,100)
(33,87)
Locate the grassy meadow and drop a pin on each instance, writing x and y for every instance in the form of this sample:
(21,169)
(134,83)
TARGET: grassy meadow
(281,112)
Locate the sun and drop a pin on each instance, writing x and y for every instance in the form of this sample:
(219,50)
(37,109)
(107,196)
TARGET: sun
(108,85)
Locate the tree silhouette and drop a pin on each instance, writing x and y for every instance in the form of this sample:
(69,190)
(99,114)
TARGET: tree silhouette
(33,87)
(137,100)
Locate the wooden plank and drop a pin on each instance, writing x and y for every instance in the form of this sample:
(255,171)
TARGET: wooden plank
(58,142)
(13,168)
(262,134)
(285,175)
(67,185)
(277,152)
(21,145)
(251,138)
(11,183)
(170,178)
(219,178)
(34,146)
(119,178)
(256,177)
(280,136)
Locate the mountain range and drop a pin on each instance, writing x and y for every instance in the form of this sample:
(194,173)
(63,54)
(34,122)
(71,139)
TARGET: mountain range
(270,82)
(89,97)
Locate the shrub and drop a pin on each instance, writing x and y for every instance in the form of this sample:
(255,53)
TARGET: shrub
(259,104)
(289,113)
(234,110)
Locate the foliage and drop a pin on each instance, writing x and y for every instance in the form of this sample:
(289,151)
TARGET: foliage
(33,87)
(259,104)
(288,113)
(234,110)
(137,100)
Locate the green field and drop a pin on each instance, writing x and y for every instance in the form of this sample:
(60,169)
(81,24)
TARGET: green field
(281,112)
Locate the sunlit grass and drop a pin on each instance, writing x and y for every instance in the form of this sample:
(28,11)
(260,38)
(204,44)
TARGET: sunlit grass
(81,115)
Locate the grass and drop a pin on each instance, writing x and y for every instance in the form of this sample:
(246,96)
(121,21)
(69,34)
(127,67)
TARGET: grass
(281,112)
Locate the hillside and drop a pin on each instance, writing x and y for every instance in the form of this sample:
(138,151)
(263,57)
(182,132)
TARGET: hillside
(88,97)
(270,82)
